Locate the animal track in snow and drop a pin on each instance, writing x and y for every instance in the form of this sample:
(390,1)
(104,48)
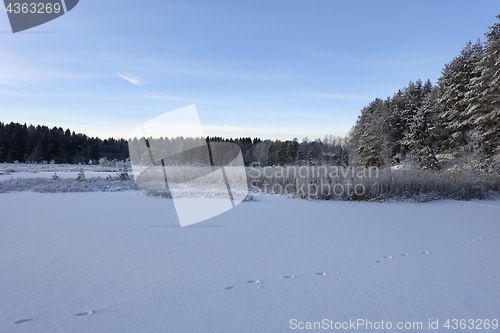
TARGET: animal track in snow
(473,240)
(21,321)
(402,255)
(259,282)
(86,313)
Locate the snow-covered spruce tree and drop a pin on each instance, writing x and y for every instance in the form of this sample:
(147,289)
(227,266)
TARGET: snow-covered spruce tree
(2,149)
(413,98)
(484,95)
(495,163)
(310,157)
(282,158)
(427,87)
(359,138)
(396,126)
(2,143)
(298,158)
(370,132)
(271,155)
(291,151)
(342,157)
(249,157)
(454,84)
(418,138)
(473,155)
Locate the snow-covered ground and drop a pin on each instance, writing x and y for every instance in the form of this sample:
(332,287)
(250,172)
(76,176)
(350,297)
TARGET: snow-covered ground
(61,174)
(66,171)
(119,262)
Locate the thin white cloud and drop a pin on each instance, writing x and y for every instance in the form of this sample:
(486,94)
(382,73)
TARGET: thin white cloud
(135,80)
(5,83)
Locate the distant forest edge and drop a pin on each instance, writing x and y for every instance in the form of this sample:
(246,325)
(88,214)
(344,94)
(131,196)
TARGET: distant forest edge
(22,143)
(459,117)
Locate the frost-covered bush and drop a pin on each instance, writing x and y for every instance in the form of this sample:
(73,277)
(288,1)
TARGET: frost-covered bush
(103,162)
(47,185)
(159,193)
(81,176)
(412,184)
(249,197)
(123,174)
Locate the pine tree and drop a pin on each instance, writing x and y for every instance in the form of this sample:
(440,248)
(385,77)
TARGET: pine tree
(369,133)
(3,156)
(418,139)
(291,152)
(298,158)
(484,95)
(427,88)
(16,150)
(310,157)
(412,99)
(454,84)
(396,126)
(342,157)
(271,155)
(282,153)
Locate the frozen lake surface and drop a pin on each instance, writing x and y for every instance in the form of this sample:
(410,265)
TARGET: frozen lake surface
(119,262)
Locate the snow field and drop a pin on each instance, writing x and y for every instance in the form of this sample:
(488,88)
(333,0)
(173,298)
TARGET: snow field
(119,262)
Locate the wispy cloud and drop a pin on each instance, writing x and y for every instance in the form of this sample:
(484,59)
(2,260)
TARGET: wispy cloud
(135,80)
(5,83)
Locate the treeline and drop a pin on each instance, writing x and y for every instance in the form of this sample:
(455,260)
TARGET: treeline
(461,114)
(330,150)
(24,143)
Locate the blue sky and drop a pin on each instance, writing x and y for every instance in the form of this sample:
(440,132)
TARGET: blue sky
(273,69)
